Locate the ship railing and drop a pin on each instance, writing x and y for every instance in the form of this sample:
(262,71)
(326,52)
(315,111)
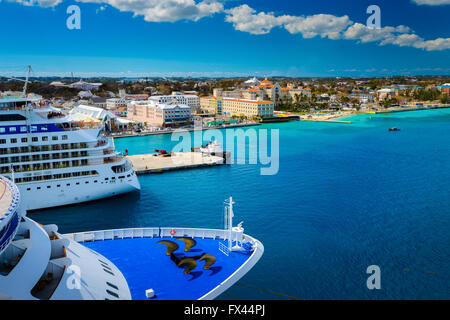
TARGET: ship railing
(103,235)
(37,165)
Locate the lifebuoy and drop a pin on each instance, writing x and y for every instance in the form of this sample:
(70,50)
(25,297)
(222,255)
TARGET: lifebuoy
(172,232)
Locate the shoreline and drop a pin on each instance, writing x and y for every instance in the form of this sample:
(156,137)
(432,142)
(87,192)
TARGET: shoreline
(329,118)
(170,131)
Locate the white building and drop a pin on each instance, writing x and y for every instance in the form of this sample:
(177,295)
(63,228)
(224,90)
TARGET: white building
(85,94)
(83,111)
(85,85)
(58,84)
(190,100)
(116,103)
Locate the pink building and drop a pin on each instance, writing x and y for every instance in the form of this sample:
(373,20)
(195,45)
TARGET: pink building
(155,114)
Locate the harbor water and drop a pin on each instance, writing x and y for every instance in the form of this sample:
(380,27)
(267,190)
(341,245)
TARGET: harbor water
(346,196)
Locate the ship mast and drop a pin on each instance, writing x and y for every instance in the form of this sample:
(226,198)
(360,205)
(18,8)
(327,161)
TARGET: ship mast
(24,94)
(25,87)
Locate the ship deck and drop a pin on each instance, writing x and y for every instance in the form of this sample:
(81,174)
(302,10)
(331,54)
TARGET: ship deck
(6,196)
(145,265)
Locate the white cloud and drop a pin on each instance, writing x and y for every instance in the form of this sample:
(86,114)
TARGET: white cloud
(151,10)
(364,34)
(41,3)
(432,2)
(323,25)
(244,19)
(401,36)
(166,10)
(434,45)
(247,19)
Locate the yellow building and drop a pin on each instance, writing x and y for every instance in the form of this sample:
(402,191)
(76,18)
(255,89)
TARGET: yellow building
(211,104)
(247,108)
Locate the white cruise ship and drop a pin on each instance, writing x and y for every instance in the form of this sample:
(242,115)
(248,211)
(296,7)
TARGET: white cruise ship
(39,263)
(55,160)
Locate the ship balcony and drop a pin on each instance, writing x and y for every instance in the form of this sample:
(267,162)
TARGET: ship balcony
(48,282)
(10,258)
(58,247)
(63,161)
(112,160)
(51,278)
(29,151)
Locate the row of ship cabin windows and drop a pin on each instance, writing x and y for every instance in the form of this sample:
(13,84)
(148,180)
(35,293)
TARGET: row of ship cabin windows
(46,166)
(56,177)
(33,139)
(64,176)
(44,148)
(37,157)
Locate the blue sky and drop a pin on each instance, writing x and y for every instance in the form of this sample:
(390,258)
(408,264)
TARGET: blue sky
(225,38)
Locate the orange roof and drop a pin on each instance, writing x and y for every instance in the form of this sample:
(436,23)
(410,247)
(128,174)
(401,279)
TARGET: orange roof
(253,90)
(308,89)
(212,97)
(266,81)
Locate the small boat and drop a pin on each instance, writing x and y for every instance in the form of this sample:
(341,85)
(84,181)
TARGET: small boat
(212,148)
(394,129)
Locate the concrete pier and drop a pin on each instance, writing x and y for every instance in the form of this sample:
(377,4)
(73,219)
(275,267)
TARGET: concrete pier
(156,163)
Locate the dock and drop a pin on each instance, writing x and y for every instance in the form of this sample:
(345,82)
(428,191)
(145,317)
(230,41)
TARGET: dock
(157,163)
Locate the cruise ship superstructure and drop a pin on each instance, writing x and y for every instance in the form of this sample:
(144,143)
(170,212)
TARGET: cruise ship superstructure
(57,161)
(39,263)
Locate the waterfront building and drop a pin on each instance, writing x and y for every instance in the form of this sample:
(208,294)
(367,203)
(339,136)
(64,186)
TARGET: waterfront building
(264,90)
(362,97)
(384,94)
(444,88)
(158,114)
(212,105)
(262,108)
(190,100)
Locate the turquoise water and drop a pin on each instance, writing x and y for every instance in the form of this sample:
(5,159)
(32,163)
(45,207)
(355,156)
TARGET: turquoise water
(347,196)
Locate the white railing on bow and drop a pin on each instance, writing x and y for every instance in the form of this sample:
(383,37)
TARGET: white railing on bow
(153,233)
